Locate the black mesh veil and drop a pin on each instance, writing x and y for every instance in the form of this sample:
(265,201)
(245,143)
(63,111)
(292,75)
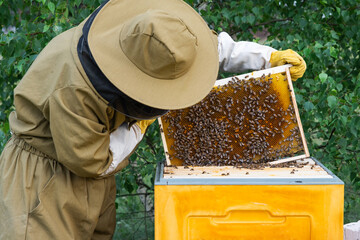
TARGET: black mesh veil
(116,98)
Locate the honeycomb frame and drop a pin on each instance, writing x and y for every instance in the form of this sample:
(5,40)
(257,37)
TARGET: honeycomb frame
(253,76)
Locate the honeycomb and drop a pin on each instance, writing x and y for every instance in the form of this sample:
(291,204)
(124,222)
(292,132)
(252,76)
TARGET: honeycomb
(249,120)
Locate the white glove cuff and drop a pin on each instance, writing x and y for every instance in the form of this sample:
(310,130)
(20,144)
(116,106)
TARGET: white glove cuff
(122,142)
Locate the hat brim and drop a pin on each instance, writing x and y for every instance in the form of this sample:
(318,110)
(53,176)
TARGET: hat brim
(177,93)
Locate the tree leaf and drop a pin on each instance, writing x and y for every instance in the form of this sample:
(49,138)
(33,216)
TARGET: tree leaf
(251,19)
(332,101)
(46,28)
(323,76)
(302,23)
(51,6)
(226,13)
(333,52)
(237,20)
(308,106)
(334,34)
(256,11)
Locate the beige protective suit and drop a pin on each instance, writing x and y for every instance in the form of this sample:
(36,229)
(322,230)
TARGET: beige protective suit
(50,168)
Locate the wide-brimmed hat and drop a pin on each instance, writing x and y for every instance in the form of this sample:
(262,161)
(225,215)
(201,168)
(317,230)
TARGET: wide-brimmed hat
(158,52)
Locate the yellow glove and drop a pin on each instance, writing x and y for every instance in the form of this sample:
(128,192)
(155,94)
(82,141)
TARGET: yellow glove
(279,58)
(143,124)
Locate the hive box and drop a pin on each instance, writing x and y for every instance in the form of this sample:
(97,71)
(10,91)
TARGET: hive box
(230,203)
(298,200)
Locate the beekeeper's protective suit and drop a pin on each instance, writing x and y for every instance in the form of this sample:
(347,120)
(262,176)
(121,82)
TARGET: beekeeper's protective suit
(86,102)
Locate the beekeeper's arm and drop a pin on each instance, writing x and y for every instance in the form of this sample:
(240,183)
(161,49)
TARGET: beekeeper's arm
(82,142)
(237,57)
(81,139)
(77,126)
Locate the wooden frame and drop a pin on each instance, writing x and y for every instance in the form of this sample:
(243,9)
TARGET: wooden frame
(164,142)
(292,93)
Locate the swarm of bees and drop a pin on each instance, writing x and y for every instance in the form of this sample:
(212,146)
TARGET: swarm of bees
(239,123)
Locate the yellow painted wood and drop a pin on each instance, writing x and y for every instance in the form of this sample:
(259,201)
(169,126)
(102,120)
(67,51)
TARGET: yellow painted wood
(249,212)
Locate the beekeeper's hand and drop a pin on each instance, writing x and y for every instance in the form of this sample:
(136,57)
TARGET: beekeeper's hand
(144,124)
(279,58)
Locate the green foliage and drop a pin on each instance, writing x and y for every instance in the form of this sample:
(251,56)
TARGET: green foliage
(134,215)
(325,33)
(36,23)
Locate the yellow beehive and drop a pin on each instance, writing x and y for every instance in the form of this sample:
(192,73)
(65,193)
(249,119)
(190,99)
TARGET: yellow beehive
(249,206)
(239,200)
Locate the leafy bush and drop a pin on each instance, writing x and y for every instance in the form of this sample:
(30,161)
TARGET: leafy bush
(325,33)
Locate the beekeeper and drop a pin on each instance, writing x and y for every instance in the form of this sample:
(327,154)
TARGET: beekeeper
(86,101)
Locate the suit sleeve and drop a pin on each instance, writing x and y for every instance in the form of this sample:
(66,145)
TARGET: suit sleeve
(237,57)
(81,139)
